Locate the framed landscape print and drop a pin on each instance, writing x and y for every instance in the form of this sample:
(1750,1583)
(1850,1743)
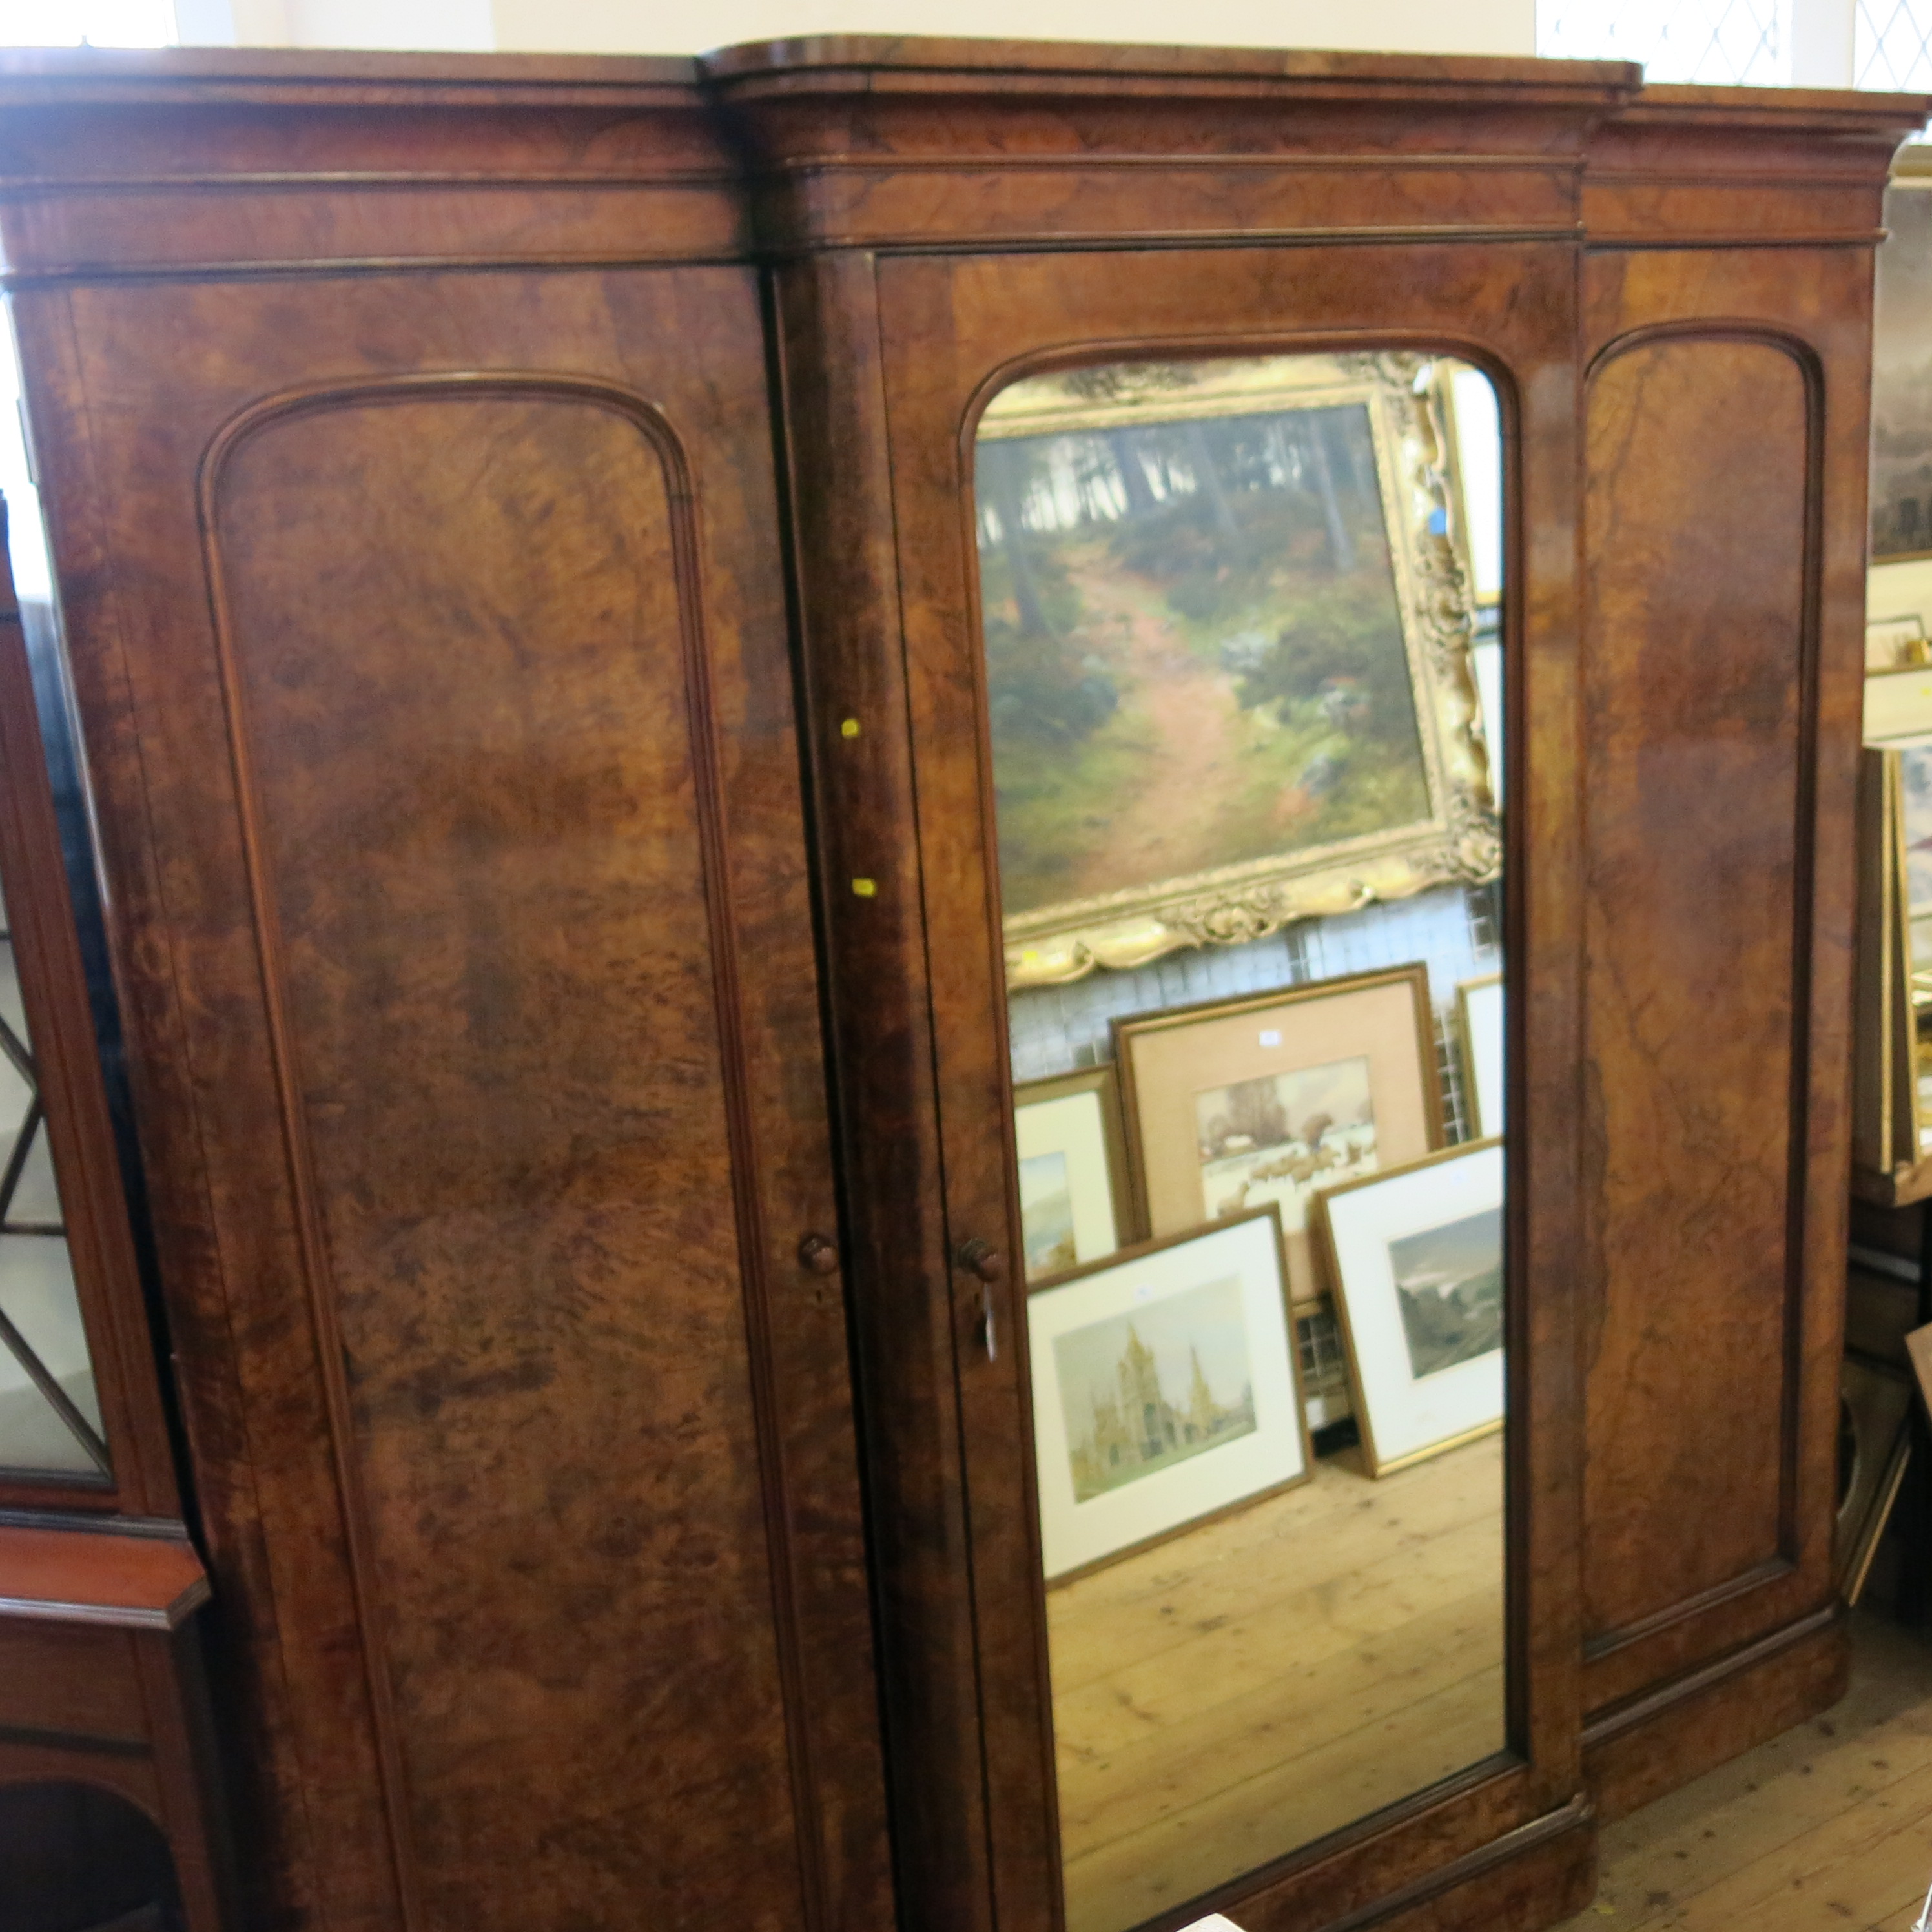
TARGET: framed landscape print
(1479,1026)
(1415,1256)
(1901,442)
(1074,1203)
(1241,575)
(1272,1096)
(1165,1389)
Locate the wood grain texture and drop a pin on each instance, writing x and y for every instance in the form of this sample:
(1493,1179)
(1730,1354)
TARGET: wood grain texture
(1684,1727)
(535,1147)
(483,898)
(55,1002)
(69,1680)
(1697,666)
(952,330)
(410,1056)
(1737,1408)
(134,164)
(879,142)
(909,1329)
(58,1575)
(91,1705)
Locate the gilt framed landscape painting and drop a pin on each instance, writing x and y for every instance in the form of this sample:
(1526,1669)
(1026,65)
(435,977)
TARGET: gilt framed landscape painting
(1165,1389)
(1240,579)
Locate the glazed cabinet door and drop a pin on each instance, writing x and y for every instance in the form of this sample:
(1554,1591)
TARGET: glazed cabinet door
(429,637)
(1167,538)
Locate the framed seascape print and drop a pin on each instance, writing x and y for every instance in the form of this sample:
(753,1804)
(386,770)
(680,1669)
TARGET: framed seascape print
(1416,1257)
(1165,1390)
(1901,442)
(1240,578)
(1479,1028)
(1273,1095)
(1075,1204)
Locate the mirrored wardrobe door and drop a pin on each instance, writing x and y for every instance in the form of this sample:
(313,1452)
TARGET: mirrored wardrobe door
(1239,619)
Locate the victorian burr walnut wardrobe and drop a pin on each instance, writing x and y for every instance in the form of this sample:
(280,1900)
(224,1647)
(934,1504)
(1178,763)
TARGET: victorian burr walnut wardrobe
(515,526)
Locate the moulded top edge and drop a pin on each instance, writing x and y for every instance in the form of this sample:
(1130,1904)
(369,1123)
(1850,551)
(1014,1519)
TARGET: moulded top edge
(1782,106)
(55,77)
(886,57)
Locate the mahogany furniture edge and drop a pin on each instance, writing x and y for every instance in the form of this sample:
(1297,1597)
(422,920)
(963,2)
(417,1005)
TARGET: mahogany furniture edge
(65,1576)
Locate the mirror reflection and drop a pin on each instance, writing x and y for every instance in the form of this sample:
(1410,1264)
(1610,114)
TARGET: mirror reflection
(1240,620)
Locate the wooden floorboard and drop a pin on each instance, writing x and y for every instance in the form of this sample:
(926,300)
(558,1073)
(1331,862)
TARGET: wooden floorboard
(1282,1670)
(1273,1676)
(1827,1826)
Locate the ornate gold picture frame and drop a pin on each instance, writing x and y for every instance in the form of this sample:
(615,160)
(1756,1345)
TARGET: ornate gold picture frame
(1240,581)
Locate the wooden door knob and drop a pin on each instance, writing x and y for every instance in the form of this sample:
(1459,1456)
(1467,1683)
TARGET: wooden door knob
(818,1255)
(983,1261)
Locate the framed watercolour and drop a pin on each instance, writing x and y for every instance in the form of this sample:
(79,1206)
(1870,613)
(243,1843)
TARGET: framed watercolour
(1273,1095)
(1479,1030)
(1165,1389)
(1228,571)
(1075,1204)
(1416,1257)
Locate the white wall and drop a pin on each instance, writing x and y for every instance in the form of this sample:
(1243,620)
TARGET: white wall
(658,26)
(626,26)
(463,26)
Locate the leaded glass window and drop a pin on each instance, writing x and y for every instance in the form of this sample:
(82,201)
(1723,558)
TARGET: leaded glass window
(1892,46)
(1707,42)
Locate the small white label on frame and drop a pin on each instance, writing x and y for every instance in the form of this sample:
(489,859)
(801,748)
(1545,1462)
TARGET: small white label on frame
(1270,1037)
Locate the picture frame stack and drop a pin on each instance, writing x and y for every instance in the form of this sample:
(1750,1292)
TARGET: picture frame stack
(1239,1164)
(1891,1125)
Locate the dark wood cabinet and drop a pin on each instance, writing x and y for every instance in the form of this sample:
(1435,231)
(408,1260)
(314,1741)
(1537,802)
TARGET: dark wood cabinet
(442,728)
(514,526)
(1726,332)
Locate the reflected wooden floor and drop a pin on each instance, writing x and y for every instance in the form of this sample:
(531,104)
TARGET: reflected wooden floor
(1827,1826)
(1227,1696)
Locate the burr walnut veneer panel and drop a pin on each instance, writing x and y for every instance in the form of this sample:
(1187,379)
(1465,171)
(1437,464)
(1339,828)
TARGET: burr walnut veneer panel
(1696,676)
(505,1076)
(1724,650)
(448,775)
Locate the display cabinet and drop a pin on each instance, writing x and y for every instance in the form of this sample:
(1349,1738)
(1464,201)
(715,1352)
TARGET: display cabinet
(110,1802)
(714,693)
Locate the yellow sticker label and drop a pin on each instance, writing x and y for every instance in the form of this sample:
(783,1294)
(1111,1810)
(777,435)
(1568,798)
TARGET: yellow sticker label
(849,728)
(866,889)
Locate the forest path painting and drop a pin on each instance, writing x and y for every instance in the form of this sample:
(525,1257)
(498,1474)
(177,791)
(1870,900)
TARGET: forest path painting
(1182,717)
(1173,614)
